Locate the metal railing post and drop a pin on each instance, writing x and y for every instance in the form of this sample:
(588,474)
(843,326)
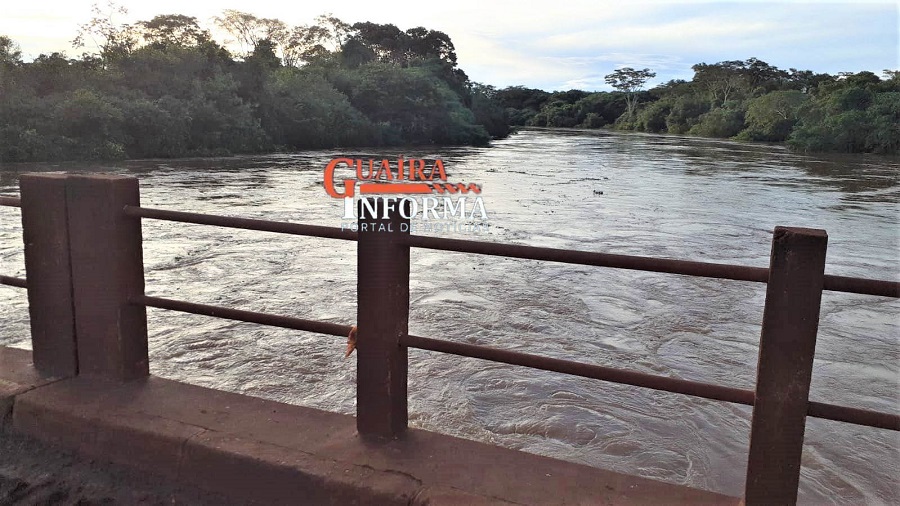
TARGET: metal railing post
(786,351)
(49,273)
(107,269)
(383,320)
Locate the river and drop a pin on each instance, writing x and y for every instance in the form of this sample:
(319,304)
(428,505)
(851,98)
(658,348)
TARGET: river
(663,196)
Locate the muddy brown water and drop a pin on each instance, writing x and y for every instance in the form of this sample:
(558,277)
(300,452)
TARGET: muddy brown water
(662,196)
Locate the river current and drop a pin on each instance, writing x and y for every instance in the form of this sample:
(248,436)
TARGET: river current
(661,196)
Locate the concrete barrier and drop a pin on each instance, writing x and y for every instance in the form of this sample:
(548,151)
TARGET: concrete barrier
(266,452)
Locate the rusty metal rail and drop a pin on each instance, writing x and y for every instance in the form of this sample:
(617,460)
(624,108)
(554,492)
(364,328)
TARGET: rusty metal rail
(10,201)
(611,374)
(662,265)
(13,281)
(242,223)
(614,375)
(285,322)
(862,286)
(856,416)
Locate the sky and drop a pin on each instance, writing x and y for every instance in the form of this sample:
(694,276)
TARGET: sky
(551,45)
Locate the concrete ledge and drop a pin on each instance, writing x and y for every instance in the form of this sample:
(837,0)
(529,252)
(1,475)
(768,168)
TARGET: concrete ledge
(272,453)
(17,376)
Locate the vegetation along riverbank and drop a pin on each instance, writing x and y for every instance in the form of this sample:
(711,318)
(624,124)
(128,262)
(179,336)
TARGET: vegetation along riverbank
(165,88)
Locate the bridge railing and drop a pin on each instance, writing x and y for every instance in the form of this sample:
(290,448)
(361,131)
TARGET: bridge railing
(85,282)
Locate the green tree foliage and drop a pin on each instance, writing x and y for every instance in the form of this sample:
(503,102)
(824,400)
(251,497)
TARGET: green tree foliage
(303,110)
(850,115)
(653,117)
(411,103)
(164,88)
(308,43)
(10,54)
(173,30)
(520,103)
(685,113)
(771,117)
(488,111)
(722,122)
(747,100)
(629,81)
(10,58)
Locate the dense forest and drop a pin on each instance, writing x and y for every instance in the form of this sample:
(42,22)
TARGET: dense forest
(744,100)
(165,88)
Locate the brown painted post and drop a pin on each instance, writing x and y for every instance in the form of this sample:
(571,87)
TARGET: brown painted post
(382,318)
(107,268)
(786,350)
(49,274)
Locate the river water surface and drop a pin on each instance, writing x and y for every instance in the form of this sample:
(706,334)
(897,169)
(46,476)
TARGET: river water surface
(661,196)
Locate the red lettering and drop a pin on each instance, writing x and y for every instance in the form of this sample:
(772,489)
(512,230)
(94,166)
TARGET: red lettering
(384,169)
(359,172)
(418,172)
(349,184)
(438,166)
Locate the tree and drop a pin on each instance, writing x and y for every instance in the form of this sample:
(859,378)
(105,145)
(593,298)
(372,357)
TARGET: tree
(762,76)
(772,116)
(807,81)
(306,43)
(389,43)
(10,57)
(248,29)
(629,81)
(336,30)
(173,30)
(488,112)
(9,51)
(113,41)
(720,80)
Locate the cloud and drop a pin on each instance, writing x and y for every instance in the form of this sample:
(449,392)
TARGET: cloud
(556,45)
(677,36)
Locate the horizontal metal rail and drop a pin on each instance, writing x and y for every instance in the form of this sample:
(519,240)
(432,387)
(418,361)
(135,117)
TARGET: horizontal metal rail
(286,322)
(241,223)
(663,383)
(734,272)
(12,281)
(862,286)
(664,265)
(856,416)
(638,379)
(11,201)
(621,376)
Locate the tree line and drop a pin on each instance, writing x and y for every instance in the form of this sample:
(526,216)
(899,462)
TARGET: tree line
(747,100)
(165,88)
